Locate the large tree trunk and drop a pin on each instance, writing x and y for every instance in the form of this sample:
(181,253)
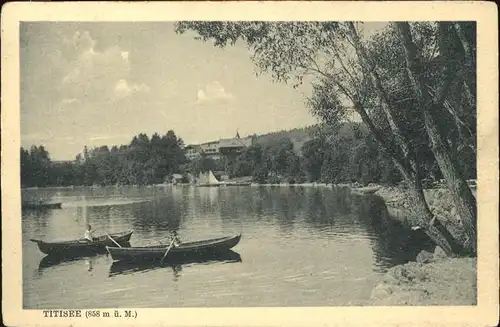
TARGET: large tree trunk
(462,195)
(407,162)
(431,225)
(371,70)
(470,62)
(436,231)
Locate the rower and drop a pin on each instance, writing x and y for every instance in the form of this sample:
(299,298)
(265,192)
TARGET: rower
(88,233)
(176,239)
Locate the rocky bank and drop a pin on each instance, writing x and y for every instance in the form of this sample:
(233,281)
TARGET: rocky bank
(433,280)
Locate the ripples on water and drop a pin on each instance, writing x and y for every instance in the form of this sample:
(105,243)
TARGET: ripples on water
(300,247)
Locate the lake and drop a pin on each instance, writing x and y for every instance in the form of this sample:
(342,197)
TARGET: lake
(300,246)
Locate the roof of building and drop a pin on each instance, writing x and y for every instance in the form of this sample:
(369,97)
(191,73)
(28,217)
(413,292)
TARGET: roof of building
(230,143)
(235,142)
(209,143)
(192,146)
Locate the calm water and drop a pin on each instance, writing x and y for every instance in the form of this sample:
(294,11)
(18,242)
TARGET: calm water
(300,247)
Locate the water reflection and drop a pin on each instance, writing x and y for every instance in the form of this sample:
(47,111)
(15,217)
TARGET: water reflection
(38,218)
(44,195)
(126,267)
(393,242)
(327,241)
(288,205)
(165,214)
(50,261)
(320,208)
(89,263)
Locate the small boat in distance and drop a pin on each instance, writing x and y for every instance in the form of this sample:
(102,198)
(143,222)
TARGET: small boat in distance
(83,246)
(41,205)
(238,183)
(366,189)
(208,179)
(182,251)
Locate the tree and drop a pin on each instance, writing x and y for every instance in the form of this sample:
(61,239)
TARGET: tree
(37,166)
(295,171)
(202,164)
(344,71)
(313,154)
(143,161)
(26,168)
(248,161)
(462,195)
(412,146)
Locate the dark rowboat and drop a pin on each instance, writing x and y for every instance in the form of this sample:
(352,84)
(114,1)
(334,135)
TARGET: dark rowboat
(41,205)
(184,250)
(83,246)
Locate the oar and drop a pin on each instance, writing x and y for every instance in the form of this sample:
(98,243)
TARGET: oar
(113,240)
(166,252)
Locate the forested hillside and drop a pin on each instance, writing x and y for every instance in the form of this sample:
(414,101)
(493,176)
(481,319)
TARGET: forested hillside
(317,153)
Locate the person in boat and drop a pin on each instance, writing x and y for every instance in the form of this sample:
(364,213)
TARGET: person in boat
(88,234)
(176,239)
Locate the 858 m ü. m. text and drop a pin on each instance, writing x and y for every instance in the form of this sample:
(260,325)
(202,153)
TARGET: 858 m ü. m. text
(88,314)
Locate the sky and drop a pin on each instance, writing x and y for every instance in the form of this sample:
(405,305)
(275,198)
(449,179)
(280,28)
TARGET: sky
(103,83)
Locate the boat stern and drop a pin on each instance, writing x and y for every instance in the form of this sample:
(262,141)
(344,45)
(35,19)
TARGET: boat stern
(42,246)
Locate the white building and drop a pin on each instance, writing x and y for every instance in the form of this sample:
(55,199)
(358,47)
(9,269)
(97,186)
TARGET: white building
(192,151)
(216,149)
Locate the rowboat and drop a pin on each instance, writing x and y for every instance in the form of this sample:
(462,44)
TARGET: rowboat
(83,246)
(366,190)
(182,251)
(125,267)
(238,184)
(41,205)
